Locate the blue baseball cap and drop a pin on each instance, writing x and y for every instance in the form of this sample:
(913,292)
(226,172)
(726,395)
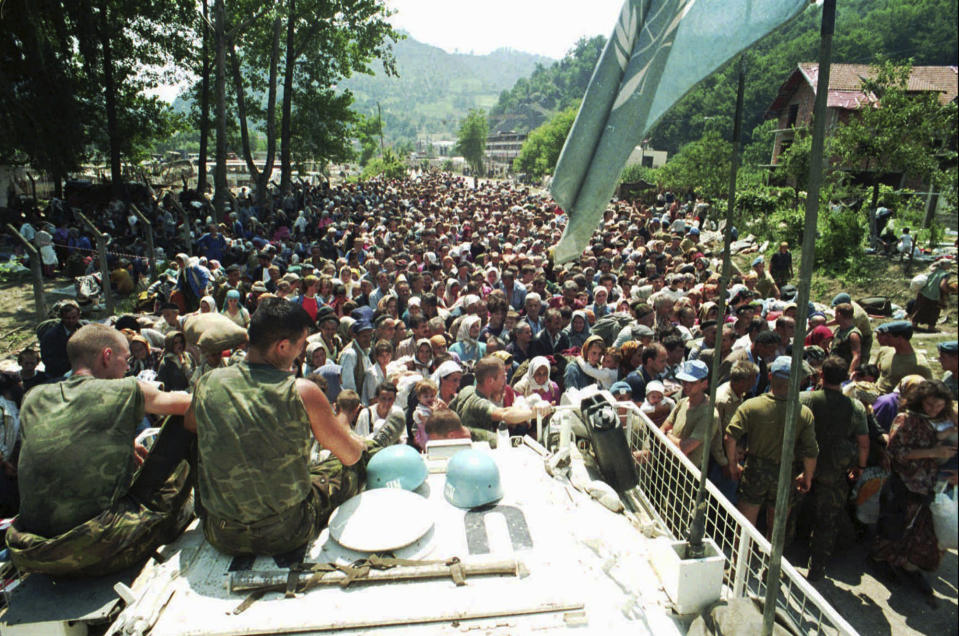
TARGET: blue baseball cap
(781,366)
(694,230)
(620,387)
(759,260)
(693,371)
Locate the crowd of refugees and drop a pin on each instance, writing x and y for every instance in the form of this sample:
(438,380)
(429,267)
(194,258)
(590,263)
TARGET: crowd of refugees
(434,308)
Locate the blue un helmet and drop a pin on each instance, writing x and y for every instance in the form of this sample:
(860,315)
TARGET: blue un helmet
(397,466)
(472,480)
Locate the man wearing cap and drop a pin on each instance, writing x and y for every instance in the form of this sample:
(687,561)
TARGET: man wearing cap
(781,265)
(328,338)
(691,240)
(949,359)
(644,316)
(686,425)
(708,329)
(763,419)
(355,358)
(765,285)
(897,358)
(843,438)
(860,318)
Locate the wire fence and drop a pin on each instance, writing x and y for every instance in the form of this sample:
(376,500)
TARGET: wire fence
(668,481)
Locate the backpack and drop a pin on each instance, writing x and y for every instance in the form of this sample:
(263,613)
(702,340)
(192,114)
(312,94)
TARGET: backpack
(609,326)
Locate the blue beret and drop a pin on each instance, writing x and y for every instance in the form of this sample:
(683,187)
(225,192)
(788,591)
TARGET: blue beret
(841,298)
(949,347)
(895,328)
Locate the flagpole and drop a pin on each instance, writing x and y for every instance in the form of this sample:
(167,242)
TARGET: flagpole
(808,257)
(694,544)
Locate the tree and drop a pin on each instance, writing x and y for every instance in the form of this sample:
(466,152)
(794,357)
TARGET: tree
(326,42)
(701,166)
(74,78)
(897,132)
(540,151)
(369,132)
(794,163)
(389,165)
(471,139)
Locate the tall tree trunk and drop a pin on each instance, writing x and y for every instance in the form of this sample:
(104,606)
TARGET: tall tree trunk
(271,114)
(110,95)
(204,103)
(219,173)
(286,167)
(241,114)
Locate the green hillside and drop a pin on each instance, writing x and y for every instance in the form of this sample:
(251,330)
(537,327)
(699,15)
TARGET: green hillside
(434,89)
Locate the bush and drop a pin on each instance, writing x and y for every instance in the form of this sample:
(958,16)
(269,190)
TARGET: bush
(840,237)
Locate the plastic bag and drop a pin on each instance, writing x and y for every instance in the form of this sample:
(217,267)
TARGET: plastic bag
(945,519)
(866,494)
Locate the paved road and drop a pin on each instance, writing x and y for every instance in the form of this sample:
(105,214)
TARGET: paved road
(876,607)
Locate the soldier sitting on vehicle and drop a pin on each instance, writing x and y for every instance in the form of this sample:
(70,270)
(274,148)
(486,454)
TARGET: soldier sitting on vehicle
(81,511)
(255,423)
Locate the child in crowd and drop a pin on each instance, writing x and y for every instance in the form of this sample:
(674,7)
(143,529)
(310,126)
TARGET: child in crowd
(425,392)
(656,405)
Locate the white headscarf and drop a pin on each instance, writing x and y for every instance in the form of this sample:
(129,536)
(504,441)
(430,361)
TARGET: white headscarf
(463,334)
(534,365)
(447,368)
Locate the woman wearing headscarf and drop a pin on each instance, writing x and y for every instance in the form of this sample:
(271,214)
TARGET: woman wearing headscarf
(176,366)
(448,377)
(310,363)
(422,360)
(467,346)
(585,369)
(207,305)
(821,336)
(599,306)
(537,381)
(907,540)
(708,311)
(141,357)
(578,329)
(233,310)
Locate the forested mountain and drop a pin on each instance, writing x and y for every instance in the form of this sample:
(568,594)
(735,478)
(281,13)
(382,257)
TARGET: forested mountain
(434,89)
(923,30)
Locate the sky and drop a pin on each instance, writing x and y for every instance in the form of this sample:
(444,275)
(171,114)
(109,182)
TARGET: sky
(545,27)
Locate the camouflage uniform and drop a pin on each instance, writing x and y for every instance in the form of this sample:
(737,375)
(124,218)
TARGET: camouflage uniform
(474,409)
(839,420)
(254,438)
(80,517)
(763,419)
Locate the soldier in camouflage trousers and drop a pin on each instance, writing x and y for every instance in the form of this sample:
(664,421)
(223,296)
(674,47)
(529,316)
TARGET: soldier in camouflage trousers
(843,437)
(256,423)
(82,512)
